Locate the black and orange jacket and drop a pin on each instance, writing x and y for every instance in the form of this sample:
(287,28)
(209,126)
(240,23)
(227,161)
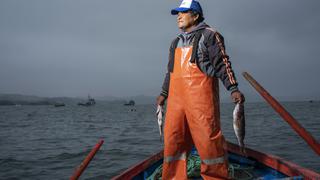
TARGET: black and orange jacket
(211,57)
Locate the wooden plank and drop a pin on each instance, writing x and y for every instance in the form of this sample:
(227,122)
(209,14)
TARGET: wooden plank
(311,141)
(140,167)
(86,161)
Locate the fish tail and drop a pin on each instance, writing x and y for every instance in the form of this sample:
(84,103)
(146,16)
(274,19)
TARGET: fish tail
(243,151)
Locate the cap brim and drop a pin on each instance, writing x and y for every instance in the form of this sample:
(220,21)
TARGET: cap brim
(177,10)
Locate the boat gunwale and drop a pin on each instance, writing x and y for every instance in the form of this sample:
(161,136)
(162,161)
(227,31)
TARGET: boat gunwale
(279,164)
(139,167)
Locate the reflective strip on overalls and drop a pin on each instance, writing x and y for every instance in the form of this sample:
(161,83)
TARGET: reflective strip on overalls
(193,117)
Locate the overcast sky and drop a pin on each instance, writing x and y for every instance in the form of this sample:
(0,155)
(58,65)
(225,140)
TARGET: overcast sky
(120,48)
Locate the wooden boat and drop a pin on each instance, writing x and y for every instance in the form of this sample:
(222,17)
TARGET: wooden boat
(256,165)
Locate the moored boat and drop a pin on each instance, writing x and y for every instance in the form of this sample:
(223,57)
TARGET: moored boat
(130,103)
(59,104)
(90,102)
(255,165)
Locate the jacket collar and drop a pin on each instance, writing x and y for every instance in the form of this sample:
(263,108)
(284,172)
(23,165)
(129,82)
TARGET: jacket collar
(200,26)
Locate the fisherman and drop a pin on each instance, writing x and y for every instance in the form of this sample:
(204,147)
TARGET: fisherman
(197,59)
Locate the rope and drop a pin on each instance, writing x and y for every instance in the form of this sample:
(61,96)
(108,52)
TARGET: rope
(236,171)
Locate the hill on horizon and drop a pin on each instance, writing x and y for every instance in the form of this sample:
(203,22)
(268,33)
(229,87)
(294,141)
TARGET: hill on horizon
(12,99)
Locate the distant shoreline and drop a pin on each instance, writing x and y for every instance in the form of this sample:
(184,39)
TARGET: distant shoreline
(15,103)
(18,99)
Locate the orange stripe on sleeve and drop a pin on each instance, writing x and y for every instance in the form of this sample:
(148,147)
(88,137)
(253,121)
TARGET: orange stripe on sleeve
(225,60)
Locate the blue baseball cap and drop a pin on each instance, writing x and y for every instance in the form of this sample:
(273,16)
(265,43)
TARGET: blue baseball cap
(187,5)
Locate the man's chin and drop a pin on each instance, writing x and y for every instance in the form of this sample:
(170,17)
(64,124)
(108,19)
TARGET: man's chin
(182,29)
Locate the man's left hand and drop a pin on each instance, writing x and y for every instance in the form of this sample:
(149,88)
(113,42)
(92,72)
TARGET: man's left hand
(237,97)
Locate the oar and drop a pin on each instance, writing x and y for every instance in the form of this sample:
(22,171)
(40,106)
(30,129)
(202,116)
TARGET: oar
(86,161)
(284,114)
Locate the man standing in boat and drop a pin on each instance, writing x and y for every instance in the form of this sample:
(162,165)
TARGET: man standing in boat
(197,59)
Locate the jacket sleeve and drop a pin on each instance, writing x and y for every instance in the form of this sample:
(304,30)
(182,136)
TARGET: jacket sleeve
(165,85)
(222,65)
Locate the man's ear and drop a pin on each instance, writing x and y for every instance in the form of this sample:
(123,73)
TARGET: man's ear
(196,17)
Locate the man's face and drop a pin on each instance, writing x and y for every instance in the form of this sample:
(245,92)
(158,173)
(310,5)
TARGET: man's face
(185,21)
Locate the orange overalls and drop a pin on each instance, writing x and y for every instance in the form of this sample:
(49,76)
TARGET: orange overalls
(193,117)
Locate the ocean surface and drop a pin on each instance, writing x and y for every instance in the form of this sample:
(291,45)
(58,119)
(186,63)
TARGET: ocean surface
(46,142)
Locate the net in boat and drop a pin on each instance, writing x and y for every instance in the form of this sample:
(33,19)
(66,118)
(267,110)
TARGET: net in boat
(236,171)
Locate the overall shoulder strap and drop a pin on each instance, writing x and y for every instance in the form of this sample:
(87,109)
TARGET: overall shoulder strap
(173,47)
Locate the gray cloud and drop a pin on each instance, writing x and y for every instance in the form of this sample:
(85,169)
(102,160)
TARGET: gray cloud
(71,48)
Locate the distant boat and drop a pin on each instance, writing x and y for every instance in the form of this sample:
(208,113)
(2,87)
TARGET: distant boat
(90,102)
(59,105)
(130,103)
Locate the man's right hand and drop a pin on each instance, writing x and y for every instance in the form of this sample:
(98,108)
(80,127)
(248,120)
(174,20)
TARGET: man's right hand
(161,100)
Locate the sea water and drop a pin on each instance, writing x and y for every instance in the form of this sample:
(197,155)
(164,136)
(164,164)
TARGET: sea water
(46,142)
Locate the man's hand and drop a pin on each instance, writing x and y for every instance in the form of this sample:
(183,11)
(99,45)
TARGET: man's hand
(237,97)
(161,100)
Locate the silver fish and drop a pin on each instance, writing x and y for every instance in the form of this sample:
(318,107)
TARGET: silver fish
(239,125)
(159,114)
